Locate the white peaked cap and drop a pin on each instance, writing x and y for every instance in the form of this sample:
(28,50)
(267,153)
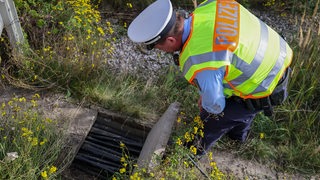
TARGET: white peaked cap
(152,23)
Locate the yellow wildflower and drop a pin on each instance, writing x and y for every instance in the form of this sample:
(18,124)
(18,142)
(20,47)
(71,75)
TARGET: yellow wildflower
(193,149)
(43,142)
(122,144)
(34,103)
(122,170)
(111,31)
(44,174)
(48,120)
(187,137)
(52,169)
(36,96)
(23,99)
(17,108)
(26,132)
(179,142)
(45,49)
(70,38)
(135,176)
(179,120)
(186,163)
(201,133)
(213,164)
(262,135)
(195,130)
(10,103)
(100,30)
(210,155)
(34,141)
(129,5)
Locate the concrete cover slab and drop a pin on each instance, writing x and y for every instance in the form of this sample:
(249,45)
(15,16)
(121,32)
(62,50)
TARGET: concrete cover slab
(158,137)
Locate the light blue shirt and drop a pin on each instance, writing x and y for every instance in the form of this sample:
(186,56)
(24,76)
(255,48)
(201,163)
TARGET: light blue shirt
(211,90)
(209,82)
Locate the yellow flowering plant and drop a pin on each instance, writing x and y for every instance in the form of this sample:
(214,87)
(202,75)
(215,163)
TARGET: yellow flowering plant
(72,37)
(31,136)
(129,169)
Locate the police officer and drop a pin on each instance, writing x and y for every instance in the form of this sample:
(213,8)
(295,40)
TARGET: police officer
(239,64)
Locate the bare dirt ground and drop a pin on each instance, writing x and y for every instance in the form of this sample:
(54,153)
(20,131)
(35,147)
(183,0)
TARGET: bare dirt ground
(249,169)
(53,104)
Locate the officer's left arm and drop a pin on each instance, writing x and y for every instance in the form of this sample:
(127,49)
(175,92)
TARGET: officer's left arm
(211,90)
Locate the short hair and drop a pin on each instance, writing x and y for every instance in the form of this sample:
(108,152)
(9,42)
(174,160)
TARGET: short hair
(178,26)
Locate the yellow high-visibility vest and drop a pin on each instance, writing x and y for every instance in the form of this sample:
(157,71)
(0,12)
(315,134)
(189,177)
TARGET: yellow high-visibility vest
(225,34)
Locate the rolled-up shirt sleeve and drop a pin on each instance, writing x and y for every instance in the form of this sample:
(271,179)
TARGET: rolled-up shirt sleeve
(211,90)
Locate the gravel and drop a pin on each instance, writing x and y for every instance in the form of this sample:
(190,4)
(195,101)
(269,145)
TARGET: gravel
(129,57)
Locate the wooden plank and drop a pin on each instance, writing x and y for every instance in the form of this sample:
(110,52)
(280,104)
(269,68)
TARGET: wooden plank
(11,22)
(1,25)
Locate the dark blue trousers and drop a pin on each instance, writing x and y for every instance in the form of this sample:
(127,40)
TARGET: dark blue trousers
(235,122)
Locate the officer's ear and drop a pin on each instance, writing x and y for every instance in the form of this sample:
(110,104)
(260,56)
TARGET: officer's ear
(170,40)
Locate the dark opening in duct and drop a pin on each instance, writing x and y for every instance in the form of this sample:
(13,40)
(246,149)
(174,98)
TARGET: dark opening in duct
(100,153)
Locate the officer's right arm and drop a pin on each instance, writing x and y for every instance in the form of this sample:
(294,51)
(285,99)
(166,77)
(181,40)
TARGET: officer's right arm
(211,90)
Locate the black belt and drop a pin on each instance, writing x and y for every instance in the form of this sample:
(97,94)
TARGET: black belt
(266,104)
(256,104)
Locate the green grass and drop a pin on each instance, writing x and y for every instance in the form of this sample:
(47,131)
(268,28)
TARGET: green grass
(65,59)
